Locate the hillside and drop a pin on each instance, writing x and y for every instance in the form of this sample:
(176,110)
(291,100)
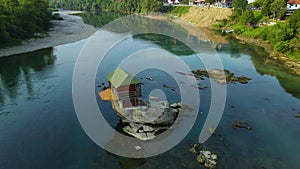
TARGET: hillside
(206,17)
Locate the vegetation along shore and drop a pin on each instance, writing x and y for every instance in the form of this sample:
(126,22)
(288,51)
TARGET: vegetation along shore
(267,27)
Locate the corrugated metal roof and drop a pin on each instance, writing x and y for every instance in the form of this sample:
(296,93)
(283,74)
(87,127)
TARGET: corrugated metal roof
(119,78)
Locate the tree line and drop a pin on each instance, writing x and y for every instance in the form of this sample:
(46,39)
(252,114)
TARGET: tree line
(20,19)
(283,35)
(128,6)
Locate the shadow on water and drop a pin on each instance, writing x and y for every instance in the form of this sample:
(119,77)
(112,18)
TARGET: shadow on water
(17,70)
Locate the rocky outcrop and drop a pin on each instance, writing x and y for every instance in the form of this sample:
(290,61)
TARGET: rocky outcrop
(208,159)
(142,131)
(241,124)
(145,123)
(205,157)
(220,76)
(159,112)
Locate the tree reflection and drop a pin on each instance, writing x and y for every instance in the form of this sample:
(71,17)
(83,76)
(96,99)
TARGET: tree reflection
(287,80)
(16,70)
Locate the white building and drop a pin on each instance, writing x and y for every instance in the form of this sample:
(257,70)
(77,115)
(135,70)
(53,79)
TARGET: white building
(293,4)
(251,1)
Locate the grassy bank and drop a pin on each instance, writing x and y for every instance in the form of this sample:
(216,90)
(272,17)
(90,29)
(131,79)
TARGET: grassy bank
(283,36)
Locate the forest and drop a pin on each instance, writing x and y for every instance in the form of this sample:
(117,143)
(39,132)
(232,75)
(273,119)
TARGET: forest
(128,6)
(21,19)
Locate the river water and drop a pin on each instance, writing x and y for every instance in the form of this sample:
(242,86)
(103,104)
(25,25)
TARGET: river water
(39,127)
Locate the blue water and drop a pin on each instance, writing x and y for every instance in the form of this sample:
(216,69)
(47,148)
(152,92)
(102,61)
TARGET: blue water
(39,127)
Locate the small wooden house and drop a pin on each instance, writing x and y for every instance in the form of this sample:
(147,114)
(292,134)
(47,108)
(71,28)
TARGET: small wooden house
(124,89)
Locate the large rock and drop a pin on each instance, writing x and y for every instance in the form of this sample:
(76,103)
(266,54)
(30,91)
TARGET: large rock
(159,113)
(145,122)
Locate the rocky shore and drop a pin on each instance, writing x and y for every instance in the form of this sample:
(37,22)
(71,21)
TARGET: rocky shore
(68,30)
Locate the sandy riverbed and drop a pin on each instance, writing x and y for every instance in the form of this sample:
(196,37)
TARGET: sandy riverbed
(69,30)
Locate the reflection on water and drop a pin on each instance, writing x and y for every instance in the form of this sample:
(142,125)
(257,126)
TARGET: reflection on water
(290,82)
(17,70)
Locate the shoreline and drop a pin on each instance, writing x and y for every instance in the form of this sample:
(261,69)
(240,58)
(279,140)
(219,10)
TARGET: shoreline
(69,30)
(292,65)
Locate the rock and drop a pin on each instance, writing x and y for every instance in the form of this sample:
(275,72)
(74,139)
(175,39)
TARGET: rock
(181,73)
(196,146)
(158,114)
(141,136)
(153,98)
(214,157)
(150,136)
(138,148)
(166,86)
(147,128)
(142,132)
(193,150)
(297,115)
(149,78)
(211,131)
(241,124)
(146,121)
(208,159)
(206,154)
(135,127)
(220,76)
(200,159)
(175,105)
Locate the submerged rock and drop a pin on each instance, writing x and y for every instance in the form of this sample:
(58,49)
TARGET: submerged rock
(193,150)
(138,148)
(220,76)
(297,115)
(241,124)
(211,131)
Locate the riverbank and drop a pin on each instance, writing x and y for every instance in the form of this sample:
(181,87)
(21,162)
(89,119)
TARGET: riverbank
(274,57)
(70,29)
(203,17)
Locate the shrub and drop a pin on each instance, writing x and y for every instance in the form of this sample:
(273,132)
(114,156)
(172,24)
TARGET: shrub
(247,17)
(282,47)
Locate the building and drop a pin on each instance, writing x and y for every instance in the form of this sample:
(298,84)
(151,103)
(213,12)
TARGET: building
(251,1)
(293,4)
(124,89)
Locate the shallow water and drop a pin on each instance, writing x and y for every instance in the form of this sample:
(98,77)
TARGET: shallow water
(39,127)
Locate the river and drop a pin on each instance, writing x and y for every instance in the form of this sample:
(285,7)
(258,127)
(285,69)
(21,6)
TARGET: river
(39,127)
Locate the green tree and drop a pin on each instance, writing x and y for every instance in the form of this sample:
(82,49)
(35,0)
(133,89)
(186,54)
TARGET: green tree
(239,7)
(294,22)
(240,4)
(278,8)
(247,17)
(265,7)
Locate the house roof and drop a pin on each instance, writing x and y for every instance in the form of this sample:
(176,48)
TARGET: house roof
(119,78)
(107,95)
(294,2)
